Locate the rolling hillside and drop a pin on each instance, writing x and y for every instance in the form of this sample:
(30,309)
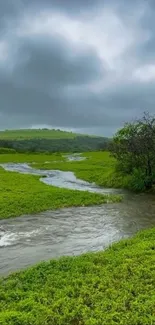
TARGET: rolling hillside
(45,140)
(24,134)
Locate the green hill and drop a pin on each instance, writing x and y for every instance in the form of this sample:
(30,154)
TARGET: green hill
(24,134)
(45,140)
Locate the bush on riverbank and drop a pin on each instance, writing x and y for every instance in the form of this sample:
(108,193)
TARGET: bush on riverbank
(134,148)
(105,288)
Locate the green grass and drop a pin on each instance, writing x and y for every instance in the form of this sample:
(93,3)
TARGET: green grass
(113,287)
(30,158)
(25,134)
(99,167)
(24,194)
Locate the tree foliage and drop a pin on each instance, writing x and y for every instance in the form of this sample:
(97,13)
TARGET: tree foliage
(76,144)
(134,148)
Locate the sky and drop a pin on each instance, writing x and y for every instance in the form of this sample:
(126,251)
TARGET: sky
(81,65)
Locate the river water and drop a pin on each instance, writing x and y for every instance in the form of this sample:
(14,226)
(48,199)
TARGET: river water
(33,238)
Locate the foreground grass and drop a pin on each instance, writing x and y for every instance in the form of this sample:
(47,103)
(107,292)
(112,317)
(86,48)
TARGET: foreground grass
(25,194)
(112,287)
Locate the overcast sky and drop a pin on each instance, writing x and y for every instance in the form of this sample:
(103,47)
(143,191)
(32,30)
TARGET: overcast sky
(87,65)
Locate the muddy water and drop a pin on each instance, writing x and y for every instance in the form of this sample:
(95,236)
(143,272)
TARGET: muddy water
(30,239)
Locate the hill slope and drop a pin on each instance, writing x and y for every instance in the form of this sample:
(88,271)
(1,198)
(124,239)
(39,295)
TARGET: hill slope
(24,134)
(44,140)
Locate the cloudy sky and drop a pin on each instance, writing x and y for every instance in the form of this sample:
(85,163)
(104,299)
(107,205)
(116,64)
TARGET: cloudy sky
(87,65)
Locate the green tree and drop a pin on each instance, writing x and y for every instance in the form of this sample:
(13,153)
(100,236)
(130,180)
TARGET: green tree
(134,148)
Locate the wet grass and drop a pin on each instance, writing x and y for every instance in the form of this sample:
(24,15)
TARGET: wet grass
(25,194)
(116,286)
(98,167)
(40,158)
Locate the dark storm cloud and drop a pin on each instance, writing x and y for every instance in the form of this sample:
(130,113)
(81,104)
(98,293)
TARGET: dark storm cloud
(51,65)
(71,68)
(68,6)
(38,84)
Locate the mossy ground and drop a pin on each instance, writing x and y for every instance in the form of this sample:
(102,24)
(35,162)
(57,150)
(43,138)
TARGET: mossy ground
(116,286)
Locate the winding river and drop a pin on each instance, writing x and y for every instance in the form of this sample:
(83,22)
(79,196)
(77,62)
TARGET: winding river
(33,238)
(58,178)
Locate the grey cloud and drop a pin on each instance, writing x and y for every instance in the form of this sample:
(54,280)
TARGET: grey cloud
(39,82)
(46,81)
(52,65)
(68,6)
(9,11)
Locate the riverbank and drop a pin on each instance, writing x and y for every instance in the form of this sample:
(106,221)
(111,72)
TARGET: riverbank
(98,167)
(25,194)
(111,287)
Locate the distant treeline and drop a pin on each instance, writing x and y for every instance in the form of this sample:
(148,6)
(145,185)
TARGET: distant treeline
(77,144)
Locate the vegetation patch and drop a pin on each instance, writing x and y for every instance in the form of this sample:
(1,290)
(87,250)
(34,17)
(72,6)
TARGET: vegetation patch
(99,167)
(24,194)
(44,140)
(26,134)
(116,286)
(134,148)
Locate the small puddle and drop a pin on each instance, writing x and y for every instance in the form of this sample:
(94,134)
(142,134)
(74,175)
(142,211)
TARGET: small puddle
(75,157)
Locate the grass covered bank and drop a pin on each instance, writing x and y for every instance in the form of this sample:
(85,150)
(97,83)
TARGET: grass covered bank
(116,286)
(25,194)
(98,167)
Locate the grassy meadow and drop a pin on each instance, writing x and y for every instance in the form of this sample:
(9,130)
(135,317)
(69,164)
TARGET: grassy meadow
(24,194)
(116,286)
